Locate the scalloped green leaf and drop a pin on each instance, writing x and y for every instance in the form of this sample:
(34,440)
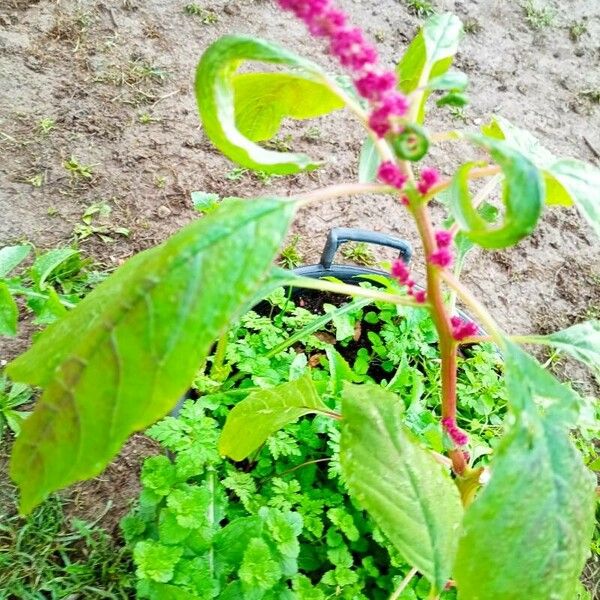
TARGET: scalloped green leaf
(410,496)
(262,413)
(263,100)
(528,532)
(523,197)
(215,94)
(124,355)
(429,55)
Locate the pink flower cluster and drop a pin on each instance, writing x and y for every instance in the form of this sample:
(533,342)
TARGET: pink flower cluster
(442,257)
(462,329)
(349,46)
(391,174)
(429,177)
(402,274)
(457,435)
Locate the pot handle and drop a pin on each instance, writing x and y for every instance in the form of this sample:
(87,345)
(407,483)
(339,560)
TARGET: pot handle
(340,235)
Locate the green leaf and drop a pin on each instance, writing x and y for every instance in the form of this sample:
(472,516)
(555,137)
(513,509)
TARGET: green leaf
(215,95)
(231,542)
(262,100)
(429,55)
(205,201)
(568,181)
(48,263)
(11,257)
(408,494)
(581,181)
(368,162)
(581,341)
(259,570)
(523,197)
(262,413)
(339,370)
(528,532)
(9,312)
(450,81)
(533,389)
(155,561)
(120,360)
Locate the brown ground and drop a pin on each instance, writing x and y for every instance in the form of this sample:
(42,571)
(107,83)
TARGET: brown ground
(116,77)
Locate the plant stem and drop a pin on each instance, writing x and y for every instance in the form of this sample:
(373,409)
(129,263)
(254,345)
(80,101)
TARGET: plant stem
(475,307)
(353,290)
(343,189)
(403,584)
(441,320)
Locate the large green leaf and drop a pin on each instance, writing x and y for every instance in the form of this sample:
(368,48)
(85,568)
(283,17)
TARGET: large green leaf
(215,94)
(9,312)
(523,197)
(568,181)
(263,413)
(11,257)
(126,353)
(262,100)
(408,494)
(429,55)
(528,532)
(581,341)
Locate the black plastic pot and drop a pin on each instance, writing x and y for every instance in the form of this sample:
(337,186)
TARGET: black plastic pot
(349,273)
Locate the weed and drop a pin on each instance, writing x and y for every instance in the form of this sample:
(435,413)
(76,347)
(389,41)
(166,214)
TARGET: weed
(472,27)
(577,30)
(312,134)
(36,180)
(290,258)
(48,556)
(458,113)
(146,118)
(12,397)
(281,143)
(236,173)
(208,17)
(420,8)
(160,182)
(46,125)
(593,95)
(538,17)
(94,221)
(359,253)
(78,170)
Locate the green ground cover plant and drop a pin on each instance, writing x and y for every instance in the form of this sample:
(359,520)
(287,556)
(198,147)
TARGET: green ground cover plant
(515,524)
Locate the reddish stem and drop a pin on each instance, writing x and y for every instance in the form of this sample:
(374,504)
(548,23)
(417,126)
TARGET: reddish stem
(441,320)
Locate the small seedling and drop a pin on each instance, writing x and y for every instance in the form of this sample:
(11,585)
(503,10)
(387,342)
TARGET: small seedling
(236,173)
(312,134)
(146,118)
(46,125)
(359,253)
(577,30)
(280,143)
(208,17)
(538,17)
(160,182)
(36,180)
(290,257)
(472,27)
(593,95)
(458,113)
(421,8)
(94,221)
(78,170)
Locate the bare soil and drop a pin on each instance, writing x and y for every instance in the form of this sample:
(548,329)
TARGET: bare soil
(116,78)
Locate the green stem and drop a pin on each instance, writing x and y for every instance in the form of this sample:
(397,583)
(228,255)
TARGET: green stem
(219,357)
(403,584)
(342,189)
(353,290)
